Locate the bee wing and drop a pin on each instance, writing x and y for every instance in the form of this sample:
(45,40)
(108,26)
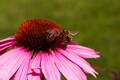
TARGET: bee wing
(52,34)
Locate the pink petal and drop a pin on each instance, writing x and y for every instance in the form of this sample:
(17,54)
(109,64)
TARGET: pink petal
(70,70)
(79,61)
(10,55)
(3,50)
(34,76)
(36,61)
(6,44)
(48,67)
(8,69)
(22,72)
(12,38)
(83,51)
(35,70)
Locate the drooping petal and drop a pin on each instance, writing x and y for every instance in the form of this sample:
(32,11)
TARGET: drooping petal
(9,56)
(8,69)
(2,50)
(12,38)
(83,51)
(79,61)
(69,69)
(5,44)
(35,74)
(35,64)
(49,69)
(35,68)
(22,72)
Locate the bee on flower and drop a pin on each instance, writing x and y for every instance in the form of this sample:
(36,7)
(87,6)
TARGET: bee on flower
(41,50)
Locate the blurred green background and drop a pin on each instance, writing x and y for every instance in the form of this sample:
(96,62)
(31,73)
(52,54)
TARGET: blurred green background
(97,21)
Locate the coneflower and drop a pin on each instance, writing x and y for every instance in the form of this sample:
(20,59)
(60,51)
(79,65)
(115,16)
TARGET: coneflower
(40,50)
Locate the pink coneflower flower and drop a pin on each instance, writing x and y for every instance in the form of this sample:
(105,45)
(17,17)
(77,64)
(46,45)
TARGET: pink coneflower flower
(41,50)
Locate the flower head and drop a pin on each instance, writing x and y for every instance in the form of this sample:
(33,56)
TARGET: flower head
(40,50)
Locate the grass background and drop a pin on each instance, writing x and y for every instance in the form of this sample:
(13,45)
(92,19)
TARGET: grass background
(97,21)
